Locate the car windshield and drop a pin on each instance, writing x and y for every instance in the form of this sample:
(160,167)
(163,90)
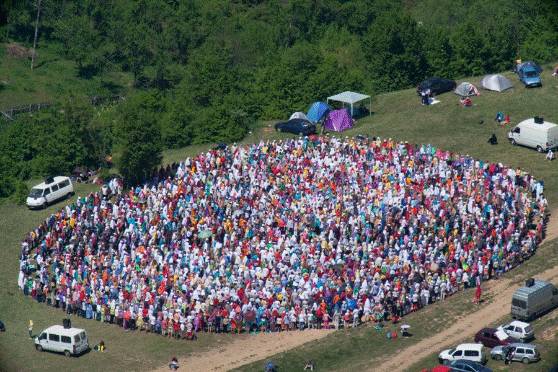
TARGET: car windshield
(531,74)
(36,193)
(528,329)
(451,351)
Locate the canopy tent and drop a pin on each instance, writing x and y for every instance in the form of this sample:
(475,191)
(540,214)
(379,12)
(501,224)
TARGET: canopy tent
(496,82)
(338,120)
(299,115)
(466,89)
(350,98)
(317,111)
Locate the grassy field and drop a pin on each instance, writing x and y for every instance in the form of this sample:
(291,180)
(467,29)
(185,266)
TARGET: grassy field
(125,350)
(398,115)
(52,79)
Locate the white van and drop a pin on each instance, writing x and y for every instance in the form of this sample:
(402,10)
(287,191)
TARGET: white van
(70,341)
(53,189)
(536,133)
(472,352)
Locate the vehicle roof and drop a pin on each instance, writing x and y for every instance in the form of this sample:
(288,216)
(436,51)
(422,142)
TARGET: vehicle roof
(56,179)
(521,344)
(470,346)
(531,122)
(519,323)
(63,331)
(525,291)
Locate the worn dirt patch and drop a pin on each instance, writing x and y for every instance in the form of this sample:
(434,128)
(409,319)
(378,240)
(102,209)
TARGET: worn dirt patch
(247,349)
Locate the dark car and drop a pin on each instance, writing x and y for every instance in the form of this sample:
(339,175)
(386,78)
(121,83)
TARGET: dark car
(491,337)
(296,126)
(467,366)
(436,85)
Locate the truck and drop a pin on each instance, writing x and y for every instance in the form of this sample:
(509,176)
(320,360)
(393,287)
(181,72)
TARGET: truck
(529,73)
(534,299)
(535,133)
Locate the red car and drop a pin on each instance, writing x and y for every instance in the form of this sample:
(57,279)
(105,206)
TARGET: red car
(491,337)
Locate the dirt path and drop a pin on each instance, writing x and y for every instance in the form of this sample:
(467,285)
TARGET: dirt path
(468,326)
(246,349)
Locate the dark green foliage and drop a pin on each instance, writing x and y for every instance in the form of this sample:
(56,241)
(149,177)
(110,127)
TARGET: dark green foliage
(138,138)
(207,70)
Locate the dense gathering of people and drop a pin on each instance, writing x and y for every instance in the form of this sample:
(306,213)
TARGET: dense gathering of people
(312,232)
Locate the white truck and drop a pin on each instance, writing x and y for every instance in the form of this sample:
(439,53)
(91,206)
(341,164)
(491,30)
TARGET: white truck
(70,341)
(536,133)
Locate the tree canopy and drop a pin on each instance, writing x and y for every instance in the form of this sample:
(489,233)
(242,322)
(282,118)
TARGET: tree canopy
(217,66)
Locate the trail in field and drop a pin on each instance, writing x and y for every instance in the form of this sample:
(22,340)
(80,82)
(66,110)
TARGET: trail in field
(501,291)
(246,349)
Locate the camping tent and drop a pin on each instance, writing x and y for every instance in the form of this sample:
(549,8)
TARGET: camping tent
(496,82)
(466,89)
(317,111)
(350,98)
(299,115)
(338,120)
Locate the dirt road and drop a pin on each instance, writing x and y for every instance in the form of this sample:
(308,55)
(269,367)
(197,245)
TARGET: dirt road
(246,349)
(469,325)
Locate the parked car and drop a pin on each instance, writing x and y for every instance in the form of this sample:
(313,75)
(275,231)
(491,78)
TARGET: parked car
(529,73)
(471,352)
(491,337)
(467,366)
(436,85)
(70,341)
(519,330)
(296,126)
(534,299)
(49,191)
(525,353)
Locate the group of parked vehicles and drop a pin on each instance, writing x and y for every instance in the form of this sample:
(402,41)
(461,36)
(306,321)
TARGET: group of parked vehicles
(508,342)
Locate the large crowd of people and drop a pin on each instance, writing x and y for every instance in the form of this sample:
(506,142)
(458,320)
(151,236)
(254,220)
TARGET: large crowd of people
(312,232)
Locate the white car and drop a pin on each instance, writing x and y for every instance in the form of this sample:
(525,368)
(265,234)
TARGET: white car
(473,352)
(70,341)
(519,330)
(46,193)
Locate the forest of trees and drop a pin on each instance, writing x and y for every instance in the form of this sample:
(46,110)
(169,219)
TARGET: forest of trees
(206,70)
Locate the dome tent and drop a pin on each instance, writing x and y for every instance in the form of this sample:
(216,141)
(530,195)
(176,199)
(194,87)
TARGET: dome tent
(338,120)
(466,89)
(299,115)
(317,111)
(496,82)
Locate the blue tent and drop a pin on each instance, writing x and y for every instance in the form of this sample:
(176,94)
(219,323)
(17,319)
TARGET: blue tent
(317,111)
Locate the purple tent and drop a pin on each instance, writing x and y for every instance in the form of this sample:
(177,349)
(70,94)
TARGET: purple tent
(338,120)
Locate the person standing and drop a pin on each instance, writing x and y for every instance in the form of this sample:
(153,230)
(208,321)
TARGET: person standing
(30,328)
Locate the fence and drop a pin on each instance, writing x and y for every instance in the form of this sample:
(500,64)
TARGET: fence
(11,113)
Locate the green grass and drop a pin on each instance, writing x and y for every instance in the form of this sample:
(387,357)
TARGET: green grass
(125,350)
(53,79)
(398,115)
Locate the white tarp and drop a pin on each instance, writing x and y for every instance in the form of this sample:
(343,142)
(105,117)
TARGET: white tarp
(348,97)
(496,82)
(299,115)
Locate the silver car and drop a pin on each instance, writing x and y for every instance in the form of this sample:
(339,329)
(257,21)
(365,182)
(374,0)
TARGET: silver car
(525,353)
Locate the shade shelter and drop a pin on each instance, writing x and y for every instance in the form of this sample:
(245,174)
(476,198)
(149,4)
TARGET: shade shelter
(350,98)
(338,120)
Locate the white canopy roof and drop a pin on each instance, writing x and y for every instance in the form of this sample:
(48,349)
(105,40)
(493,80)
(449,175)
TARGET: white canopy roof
(348,97)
